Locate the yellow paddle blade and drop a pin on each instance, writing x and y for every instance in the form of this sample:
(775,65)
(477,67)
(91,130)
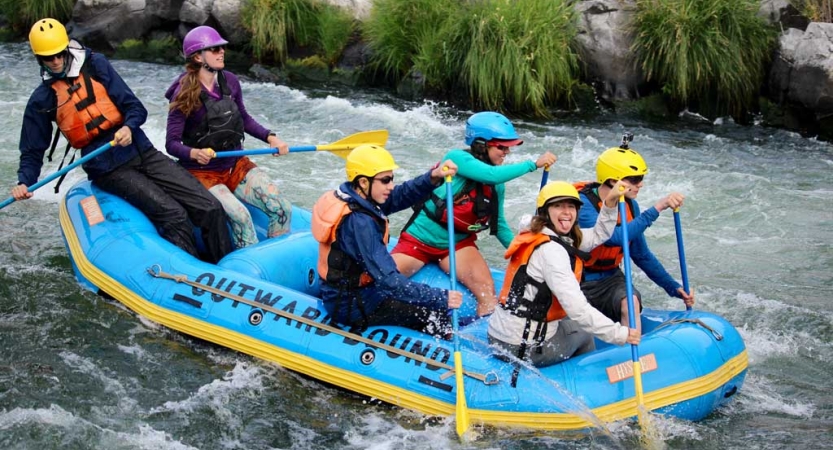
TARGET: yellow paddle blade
(343,146)
(462,409)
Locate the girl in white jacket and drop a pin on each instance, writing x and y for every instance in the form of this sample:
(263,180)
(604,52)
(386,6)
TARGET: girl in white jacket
(543,315)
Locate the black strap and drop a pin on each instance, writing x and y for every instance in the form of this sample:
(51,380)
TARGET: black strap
(54,144)
(60,166)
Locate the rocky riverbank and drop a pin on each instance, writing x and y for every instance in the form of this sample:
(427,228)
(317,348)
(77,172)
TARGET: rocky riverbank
(797,93)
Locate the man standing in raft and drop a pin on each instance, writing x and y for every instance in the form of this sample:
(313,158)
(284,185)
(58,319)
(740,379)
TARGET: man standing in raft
(360,285)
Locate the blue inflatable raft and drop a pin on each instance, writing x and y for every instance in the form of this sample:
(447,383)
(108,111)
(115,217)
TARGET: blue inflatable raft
(262,301)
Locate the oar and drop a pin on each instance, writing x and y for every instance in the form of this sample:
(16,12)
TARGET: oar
(681,250)
(61,172)
(462,410)
(632,313)
(341,147)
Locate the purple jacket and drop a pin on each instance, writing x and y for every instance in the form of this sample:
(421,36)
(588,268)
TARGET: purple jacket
(177,123)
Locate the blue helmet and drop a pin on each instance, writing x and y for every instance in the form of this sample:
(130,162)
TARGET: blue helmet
(491,125)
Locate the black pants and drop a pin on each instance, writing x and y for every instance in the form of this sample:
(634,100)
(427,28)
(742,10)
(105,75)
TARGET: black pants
(404,314)
(169,196)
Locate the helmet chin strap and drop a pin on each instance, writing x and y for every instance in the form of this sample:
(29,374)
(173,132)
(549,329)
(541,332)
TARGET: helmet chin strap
(206,66)
(209,68)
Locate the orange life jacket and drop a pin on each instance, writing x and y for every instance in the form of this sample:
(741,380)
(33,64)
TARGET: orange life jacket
(545,307)
(84,108)
(335,266)
(603,257)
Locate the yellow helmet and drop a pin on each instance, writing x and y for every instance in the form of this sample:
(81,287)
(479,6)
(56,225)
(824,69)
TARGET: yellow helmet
(368,160)
(617,163)
(557,191)
(48,37)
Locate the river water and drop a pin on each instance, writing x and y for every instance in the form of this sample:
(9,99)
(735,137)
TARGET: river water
(81,372)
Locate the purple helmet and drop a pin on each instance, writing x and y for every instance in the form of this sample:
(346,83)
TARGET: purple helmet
(201,38)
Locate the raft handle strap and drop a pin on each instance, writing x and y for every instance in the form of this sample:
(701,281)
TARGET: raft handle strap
(716,333)
(487,379)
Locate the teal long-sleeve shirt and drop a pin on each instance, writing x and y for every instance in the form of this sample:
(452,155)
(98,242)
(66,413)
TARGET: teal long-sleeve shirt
(435,235)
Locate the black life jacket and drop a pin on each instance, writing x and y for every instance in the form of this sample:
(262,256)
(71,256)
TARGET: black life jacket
(222,126)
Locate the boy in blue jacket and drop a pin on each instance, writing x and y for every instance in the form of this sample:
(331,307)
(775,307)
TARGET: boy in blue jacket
(604,281)
(360,285)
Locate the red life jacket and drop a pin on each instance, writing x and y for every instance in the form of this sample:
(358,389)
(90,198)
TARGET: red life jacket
(335,266)
(545,307)
(475,208)
(603,257)
(84,108)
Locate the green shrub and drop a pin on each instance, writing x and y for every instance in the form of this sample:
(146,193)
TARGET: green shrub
(22,14)
(275,24)
(396,30)
(816,10)
(520,56)
(708,51)
(504,54)
(165,50)
(335,27)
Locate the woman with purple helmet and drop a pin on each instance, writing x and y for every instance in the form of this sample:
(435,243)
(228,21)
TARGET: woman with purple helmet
(207,115)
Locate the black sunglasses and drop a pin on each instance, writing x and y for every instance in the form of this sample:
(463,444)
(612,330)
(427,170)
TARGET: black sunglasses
(385,180)
(50,58)
(215,49)
(635,179)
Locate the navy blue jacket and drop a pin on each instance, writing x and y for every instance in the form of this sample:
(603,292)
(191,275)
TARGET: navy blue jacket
(36,132)
(360,237)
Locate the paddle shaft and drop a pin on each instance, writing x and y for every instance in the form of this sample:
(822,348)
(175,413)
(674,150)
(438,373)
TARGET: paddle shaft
(678,227)
(341,147)
(63,171)
(461,408)
(632,312)
(544,177)
(267,151)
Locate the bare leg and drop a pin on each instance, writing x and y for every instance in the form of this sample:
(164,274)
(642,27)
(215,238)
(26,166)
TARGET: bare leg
(474,273)
(407,265)
(624,319)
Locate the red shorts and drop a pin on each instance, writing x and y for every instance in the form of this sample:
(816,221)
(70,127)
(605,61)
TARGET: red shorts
(409,245)
(231,178)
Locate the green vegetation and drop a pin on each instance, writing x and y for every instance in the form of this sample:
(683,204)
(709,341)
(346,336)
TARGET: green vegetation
(21,14)
(398,30)
(335,28)
(816,10)
(505,55)
(166,50)
(277,25)
(711,52)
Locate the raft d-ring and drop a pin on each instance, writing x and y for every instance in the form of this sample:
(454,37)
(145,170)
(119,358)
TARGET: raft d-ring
(491,378)
(256,317)
(155,270)
(368,356)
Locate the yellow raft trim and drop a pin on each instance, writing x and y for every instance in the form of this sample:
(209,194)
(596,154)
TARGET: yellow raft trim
(374,388)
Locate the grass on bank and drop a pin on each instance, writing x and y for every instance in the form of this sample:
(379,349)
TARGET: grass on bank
(503,54)
(816,10)
(710,52)
(21,14)
(278,25)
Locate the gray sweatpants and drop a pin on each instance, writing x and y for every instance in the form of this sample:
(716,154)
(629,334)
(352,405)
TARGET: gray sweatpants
(568,341)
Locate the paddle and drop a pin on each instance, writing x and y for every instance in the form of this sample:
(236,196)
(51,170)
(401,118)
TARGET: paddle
(681,250)
(342,147)
(61,172)
(462,410)
(632,313)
